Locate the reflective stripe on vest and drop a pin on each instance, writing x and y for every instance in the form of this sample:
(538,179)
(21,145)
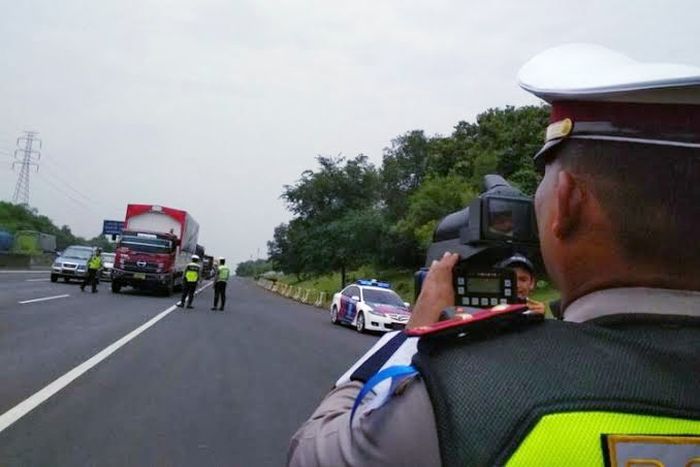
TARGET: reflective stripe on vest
(223,274)
(609,439)
(192,272)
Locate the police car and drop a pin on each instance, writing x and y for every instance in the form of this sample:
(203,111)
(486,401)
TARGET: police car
(369,305)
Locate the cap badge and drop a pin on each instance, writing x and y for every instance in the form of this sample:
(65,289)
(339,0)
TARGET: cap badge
(560,129)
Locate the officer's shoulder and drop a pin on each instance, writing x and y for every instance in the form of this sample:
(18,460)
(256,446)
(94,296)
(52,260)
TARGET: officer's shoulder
(489,323)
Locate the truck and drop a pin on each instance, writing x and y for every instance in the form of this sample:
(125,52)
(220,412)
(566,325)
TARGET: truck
(33,242)
(6,240)
(208,266)
(154,248)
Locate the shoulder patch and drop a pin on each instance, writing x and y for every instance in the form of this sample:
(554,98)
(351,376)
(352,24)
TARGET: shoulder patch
(651,450)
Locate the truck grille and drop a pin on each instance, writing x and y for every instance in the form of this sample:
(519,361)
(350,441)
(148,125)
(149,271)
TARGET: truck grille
(135,267)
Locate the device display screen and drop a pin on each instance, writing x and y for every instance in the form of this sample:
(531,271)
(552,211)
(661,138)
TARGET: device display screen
(509,219)
(484,285)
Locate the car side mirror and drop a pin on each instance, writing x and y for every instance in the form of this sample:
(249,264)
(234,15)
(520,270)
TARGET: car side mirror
(355,298)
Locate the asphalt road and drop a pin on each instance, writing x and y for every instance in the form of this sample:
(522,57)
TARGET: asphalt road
(197,388)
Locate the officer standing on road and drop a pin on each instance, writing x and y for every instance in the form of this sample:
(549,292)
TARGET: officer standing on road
(618,214)
(93,268)
(222,275)
(525,279)
(193,272)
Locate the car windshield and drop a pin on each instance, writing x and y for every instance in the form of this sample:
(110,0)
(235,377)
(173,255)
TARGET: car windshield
(108,257)
(146,244)
(383,297)
(77,253)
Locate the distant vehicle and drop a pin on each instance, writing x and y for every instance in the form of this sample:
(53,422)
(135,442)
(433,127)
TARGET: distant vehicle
(107,266)
(154,249)
(72,264)
(31,241)
(208,267)
(6,240)
(370,305)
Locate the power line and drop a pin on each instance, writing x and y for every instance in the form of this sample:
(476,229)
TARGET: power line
(65,182)
(25,158)
(66,194)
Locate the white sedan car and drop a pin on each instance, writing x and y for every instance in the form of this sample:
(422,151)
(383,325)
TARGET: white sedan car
(369,305)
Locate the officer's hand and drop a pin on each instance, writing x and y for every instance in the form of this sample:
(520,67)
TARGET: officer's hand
(436,294)
(534,305)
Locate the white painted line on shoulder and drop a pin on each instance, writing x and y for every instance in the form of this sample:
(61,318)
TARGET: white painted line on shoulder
(43,299)
(38,280)
(33,401)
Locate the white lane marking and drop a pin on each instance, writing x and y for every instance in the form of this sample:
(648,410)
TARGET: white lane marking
(33,401)
(43,299)
(38,280)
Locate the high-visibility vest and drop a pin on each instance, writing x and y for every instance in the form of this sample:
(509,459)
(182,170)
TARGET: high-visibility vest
(223,274)
(562,393)
(192,272)
(95,262)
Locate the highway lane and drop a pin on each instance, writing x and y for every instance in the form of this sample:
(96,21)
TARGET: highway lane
(197,388)
(40,341)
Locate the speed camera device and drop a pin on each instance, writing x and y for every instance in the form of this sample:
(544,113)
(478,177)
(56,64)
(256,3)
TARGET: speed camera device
(498,224)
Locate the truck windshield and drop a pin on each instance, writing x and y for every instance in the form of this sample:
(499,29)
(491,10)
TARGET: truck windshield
(146,245)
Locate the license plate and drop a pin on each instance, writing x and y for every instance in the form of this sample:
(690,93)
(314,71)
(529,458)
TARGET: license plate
(139,275)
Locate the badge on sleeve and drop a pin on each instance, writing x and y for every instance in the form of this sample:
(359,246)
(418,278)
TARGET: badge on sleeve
(651,450)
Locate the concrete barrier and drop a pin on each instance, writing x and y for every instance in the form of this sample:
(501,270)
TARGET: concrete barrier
(296,293)
(15,261)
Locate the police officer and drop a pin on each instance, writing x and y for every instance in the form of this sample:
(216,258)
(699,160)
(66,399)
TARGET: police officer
(93,268)
(616,381)
(222,275)
(193,272)
(525,280)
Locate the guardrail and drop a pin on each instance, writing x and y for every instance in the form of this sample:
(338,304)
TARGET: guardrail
(309,296)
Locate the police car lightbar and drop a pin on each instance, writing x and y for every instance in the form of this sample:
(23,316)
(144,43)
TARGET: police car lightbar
(373,283)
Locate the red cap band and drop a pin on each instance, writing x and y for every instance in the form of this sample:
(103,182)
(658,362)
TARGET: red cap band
(677,122)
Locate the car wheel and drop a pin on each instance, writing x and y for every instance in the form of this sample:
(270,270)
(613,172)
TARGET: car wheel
(334,315)
(360,323)
(54,278)
(116,287)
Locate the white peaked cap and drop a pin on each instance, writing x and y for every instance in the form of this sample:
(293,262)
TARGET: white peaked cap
(594,72)
(600,94)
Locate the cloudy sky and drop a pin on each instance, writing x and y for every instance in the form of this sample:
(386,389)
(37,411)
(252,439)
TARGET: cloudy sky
(213,105)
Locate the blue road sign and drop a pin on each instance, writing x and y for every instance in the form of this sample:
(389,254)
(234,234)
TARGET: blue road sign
(112,227)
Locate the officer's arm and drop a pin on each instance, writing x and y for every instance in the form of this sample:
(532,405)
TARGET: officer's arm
(399,432)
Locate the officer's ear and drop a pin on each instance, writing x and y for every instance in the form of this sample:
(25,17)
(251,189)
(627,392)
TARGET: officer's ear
(571,197)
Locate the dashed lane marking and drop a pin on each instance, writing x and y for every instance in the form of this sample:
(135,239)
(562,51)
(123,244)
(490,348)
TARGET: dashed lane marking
(43,299)
(33,401)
